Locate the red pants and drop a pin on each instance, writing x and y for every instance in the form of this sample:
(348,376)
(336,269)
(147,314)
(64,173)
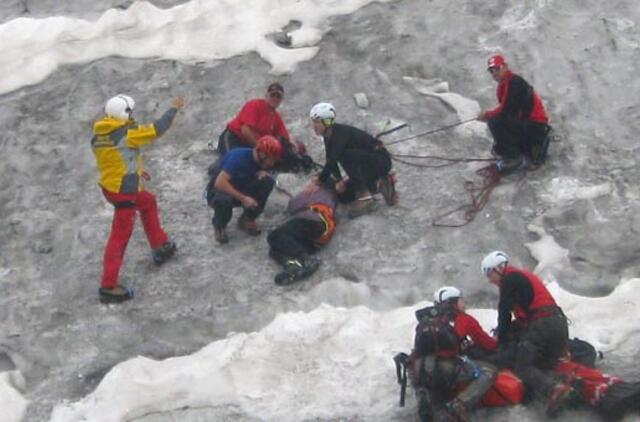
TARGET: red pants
(124,218)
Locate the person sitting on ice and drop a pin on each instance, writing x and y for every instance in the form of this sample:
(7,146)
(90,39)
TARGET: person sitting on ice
(519,123)
(260,117)
(311,227)
(438,367)
(364,158)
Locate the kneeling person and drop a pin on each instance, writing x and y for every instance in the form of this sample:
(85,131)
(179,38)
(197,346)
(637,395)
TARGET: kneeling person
(311,227)
(439,367)
(240,179)
(363,157)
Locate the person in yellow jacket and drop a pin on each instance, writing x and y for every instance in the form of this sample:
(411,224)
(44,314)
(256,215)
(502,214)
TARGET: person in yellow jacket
(116,142)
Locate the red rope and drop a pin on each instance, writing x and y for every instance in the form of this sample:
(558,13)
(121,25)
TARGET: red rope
(479,197)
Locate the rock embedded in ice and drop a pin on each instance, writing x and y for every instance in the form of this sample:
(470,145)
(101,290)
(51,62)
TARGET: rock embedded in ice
(361,100)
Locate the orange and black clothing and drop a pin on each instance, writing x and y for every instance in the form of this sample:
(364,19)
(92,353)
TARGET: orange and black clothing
(116,145)
(312,225)
(519,124)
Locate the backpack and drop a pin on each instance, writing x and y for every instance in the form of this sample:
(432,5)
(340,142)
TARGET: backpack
(435,331)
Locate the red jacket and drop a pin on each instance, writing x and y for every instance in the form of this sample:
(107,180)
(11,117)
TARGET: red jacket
(467,326)
(518,99)
(541,296)
(261,118)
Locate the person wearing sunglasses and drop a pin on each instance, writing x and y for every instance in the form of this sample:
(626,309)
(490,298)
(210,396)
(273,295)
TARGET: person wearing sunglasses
(258,117)
(519,123)
(116,143)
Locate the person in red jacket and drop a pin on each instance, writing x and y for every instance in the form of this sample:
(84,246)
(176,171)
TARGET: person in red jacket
(544,334)
(519,124)
(257,118)
(441,361)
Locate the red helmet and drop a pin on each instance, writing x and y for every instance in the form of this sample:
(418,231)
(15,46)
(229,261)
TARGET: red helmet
(496,61)
(269,146)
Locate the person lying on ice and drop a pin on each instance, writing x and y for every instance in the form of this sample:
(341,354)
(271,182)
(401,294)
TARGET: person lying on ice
(240,179)
(439,368)
(311,226)
(364,159)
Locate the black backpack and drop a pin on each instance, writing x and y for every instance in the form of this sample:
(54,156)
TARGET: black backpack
(435,331)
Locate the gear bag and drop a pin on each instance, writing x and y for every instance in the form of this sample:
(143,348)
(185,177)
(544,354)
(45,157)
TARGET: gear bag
(435,332)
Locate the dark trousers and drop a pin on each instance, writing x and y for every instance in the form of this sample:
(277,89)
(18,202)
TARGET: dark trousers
(365,168)
(228,141)
(442,379)
(294,239)
(224,203)
(542,344)
(515,138)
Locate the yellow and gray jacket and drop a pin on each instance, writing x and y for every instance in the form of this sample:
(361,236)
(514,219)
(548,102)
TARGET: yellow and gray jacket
(116,145)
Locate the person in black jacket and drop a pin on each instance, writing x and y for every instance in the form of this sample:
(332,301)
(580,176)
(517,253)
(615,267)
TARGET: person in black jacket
(519,123)
(363,157)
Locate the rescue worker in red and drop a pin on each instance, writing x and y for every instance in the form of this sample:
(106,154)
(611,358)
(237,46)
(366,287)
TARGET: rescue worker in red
(519,123)
(116,144)
(439,367)
(257,118)
(311,227)
(544,334)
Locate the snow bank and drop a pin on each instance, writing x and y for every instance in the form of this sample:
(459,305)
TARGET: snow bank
(200,30)
(289,370)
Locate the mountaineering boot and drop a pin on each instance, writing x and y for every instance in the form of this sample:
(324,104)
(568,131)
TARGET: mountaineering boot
(220,234)
(458,411)
(249,226)
(506,167)
(425,407)
(362,206)
(296,269)
(116,295)
(387,187)
(164,252)
(561,396)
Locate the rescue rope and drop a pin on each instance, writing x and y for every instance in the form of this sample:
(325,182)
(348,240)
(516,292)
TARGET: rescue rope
(479,196)
(449,161)
(429,132)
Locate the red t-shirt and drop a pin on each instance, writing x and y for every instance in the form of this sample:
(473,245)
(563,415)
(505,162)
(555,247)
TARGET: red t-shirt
(261,118)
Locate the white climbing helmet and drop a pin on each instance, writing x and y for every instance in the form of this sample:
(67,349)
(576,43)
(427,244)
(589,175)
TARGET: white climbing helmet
(446,293)
(493,261)
(121,107)
(323,111)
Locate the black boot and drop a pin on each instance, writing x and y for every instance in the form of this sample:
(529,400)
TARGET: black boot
(164,252)
(296,269)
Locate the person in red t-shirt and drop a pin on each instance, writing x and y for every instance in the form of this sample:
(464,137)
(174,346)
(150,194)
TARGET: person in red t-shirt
(519,124)
(257,118)
(447,369)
